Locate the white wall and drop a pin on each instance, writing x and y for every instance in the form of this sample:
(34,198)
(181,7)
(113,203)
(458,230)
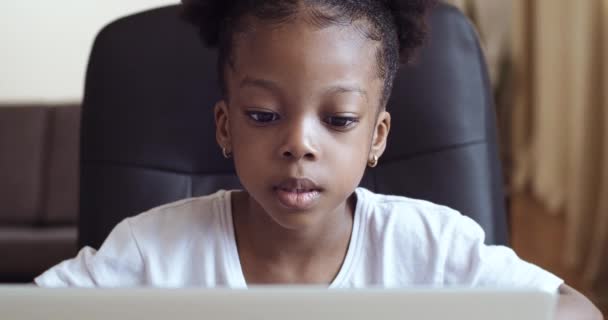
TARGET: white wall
(44,45)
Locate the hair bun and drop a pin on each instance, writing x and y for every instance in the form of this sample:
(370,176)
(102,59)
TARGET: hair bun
(207,15)
(411,21)
(409,16)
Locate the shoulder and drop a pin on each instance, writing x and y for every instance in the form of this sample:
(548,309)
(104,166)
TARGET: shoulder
(191,208)
(182,217)
(407,240)
(408,217)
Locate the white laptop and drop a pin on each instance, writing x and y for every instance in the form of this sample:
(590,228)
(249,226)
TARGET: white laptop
(273,303)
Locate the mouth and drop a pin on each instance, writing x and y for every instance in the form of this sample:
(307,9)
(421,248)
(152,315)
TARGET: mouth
(297,194)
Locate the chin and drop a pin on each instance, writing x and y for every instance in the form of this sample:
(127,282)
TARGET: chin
(294,220)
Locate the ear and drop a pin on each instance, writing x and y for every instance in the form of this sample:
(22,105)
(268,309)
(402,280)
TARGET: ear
(222,126)
(381,130)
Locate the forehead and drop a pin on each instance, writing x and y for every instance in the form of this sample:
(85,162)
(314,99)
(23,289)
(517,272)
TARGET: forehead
(298,54)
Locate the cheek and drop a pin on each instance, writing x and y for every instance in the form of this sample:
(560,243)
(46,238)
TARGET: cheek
(251,158)
(347,159)
(250,145)
(252,152)
(348,152)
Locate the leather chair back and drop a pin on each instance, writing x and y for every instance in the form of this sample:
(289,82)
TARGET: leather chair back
(148,135)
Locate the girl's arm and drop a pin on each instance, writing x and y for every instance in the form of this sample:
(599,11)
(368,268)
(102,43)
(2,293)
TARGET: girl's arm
(573,305)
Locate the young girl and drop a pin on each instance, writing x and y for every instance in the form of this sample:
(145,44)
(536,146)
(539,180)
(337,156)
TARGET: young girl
(305,88)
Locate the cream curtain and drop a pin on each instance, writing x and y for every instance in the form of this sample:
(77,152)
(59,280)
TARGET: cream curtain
(558,113)
(560,122)
(493,21)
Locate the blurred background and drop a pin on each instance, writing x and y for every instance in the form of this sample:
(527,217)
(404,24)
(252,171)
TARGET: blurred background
(547,61)
(547,66)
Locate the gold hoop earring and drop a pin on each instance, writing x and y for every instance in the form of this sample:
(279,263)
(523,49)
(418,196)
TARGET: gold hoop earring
(226,154)
(373,162)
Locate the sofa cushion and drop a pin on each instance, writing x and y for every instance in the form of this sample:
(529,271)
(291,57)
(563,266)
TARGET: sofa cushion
(27,252)
(61,205)
(22,145)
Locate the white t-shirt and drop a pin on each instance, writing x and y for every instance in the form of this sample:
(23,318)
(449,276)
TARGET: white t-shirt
(395,242)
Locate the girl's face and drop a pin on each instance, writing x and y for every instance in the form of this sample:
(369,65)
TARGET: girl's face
(302,118)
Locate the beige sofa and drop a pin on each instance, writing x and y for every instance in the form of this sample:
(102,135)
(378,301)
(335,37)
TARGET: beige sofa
(38,188)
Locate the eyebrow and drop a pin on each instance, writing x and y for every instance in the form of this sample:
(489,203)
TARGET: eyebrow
(346,89)
(261,83)
(272,86)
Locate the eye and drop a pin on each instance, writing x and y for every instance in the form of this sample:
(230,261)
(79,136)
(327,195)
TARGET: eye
(341,122)
(263,116)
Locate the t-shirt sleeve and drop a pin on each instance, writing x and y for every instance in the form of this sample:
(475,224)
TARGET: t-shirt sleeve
(117,263)
(470,262)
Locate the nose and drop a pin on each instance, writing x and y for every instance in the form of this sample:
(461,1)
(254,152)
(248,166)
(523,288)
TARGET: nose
(298,141)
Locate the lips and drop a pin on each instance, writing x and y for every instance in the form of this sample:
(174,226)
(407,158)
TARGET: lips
(298,194)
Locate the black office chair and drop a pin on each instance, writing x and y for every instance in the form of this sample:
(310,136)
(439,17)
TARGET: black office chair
(148,135)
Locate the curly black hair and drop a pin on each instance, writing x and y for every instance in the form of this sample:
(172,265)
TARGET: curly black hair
(400,25)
